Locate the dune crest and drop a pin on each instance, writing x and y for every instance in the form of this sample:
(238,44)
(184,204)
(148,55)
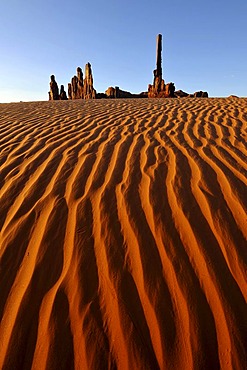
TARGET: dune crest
(123,234)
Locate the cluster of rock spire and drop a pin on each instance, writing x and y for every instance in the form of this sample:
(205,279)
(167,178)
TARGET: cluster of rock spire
(80,88)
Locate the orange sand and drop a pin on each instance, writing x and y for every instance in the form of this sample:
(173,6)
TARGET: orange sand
(123,234)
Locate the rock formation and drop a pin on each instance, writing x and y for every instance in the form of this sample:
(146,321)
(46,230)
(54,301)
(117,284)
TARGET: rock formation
(159,88)
(159,83)
(200,94)
(62,95)
(170,89)
(69,91)
(82,89)
(110,92)
(53,93)
(181,94)
(75,89)
(197,94)
(88,90)
(79,83)
(117,93)
(74,84)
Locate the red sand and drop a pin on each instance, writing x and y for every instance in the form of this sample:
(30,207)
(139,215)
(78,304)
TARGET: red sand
(123,239)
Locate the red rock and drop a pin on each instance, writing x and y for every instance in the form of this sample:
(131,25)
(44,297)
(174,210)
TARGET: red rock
(89,91)
(159,89)
(53,93)
(200,94)
(62,95)
(110,92)
(181,94)
(82,89)
(79,83)
(170,89)
(117,93)
(69,91)
(74,92)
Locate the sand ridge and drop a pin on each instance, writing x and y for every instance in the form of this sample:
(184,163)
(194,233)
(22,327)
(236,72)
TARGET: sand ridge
(123,234)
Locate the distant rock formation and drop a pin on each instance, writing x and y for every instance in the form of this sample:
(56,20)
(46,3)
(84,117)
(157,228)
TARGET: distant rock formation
(117,93)
(69,91)
(180,94)
(53,93)
(88,90)
(197,94)
(62,95)
(159,89)
(200,94)
(82,89)
(170,89)
(75,88)
(111,92)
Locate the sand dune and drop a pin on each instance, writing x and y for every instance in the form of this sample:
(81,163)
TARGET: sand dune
(123,234)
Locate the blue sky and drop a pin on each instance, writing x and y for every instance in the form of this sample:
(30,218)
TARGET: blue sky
(204,44)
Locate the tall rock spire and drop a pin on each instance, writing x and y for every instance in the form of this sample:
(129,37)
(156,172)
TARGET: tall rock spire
(89,91)
(158,55)
(159,89)
(159,83)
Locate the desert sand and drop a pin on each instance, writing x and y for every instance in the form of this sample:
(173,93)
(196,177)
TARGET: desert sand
(123,239)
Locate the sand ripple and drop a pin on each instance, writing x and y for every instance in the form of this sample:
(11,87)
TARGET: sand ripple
(123,234)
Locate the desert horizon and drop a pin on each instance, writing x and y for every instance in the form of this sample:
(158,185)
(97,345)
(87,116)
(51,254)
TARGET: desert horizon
(123,234)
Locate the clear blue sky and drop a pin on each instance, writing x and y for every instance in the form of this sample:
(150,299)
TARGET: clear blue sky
(204,44)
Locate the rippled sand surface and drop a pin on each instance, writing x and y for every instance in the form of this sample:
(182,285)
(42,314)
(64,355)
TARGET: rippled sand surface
(123,240)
